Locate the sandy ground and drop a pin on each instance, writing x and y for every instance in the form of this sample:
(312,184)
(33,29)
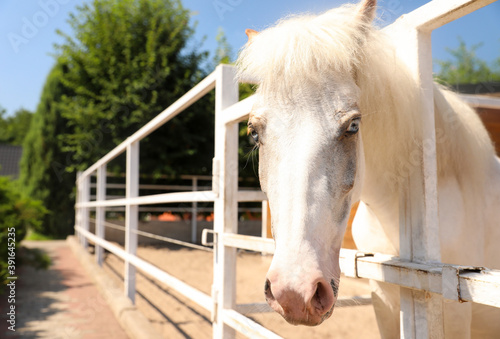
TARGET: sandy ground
(176,317)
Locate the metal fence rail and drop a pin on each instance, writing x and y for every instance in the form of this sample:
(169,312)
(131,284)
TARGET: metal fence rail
(424,283)
(158,237)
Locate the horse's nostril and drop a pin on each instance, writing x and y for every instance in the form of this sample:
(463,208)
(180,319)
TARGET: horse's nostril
(267,290)
(317,294)
(323,297)
(317,302)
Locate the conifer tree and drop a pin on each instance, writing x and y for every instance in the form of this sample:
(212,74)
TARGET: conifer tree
(123,64)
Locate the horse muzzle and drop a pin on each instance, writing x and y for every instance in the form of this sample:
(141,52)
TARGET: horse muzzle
(309,304)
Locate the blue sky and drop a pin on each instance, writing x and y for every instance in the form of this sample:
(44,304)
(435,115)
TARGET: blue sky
(27,33)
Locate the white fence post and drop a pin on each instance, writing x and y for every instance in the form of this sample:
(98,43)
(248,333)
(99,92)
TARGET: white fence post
(100,211)
(194,212)
(266,222)
(84,211)
(421,312)
(225,184)
(131,216)
(78,210)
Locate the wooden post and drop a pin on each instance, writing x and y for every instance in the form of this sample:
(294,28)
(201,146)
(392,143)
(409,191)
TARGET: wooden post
(225,184)
(421,312)
(100,211)
(131,216)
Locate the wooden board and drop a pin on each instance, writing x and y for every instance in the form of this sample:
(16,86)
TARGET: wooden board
(491,120)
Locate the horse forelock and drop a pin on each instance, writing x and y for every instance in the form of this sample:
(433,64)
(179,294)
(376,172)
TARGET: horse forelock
(304,51)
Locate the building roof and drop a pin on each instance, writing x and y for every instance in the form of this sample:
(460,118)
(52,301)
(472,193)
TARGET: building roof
(482,101)
(482,88)
(10,156)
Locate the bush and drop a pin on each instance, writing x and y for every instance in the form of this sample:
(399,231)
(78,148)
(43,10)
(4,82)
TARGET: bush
(17,215)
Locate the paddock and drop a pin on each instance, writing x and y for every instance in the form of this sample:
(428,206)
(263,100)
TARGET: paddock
(423,283)
(174,316)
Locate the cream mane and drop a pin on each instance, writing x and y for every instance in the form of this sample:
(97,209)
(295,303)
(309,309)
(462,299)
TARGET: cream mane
(303,47)
(305,51)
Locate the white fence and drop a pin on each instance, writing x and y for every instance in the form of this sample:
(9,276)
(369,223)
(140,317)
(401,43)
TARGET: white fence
(424,283)
(193,211)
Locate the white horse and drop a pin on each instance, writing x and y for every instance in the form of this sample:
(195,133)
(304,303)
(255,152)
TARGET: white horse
(336,119)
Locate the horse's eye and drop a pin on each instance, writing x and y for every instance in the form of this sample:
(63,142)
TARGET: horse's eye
(353,126)
(255,136)
(253,133)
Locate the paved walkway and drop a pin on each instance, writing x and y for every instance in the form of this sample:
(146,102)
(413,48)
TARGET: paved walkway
(59,303)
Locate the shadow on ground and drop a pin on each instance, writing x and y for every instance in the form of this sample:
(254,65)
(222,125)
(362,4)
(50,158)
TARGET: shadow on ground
(36,291)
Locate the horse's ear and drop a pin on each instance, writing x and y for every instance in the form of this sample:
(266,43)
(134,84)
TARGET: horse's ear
(366,10)
(250,33)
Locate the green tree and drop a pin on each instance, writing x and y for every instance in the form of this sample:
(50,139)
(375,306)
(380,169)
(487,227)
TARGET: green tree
(223,51)
(129,60)
(4,125)
(467,67)
(17,215)
(14,128)
(125,62)
(43,173)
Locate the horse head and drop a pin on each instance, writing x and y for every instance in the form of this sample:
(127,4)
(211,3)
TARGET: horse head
(306,122)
